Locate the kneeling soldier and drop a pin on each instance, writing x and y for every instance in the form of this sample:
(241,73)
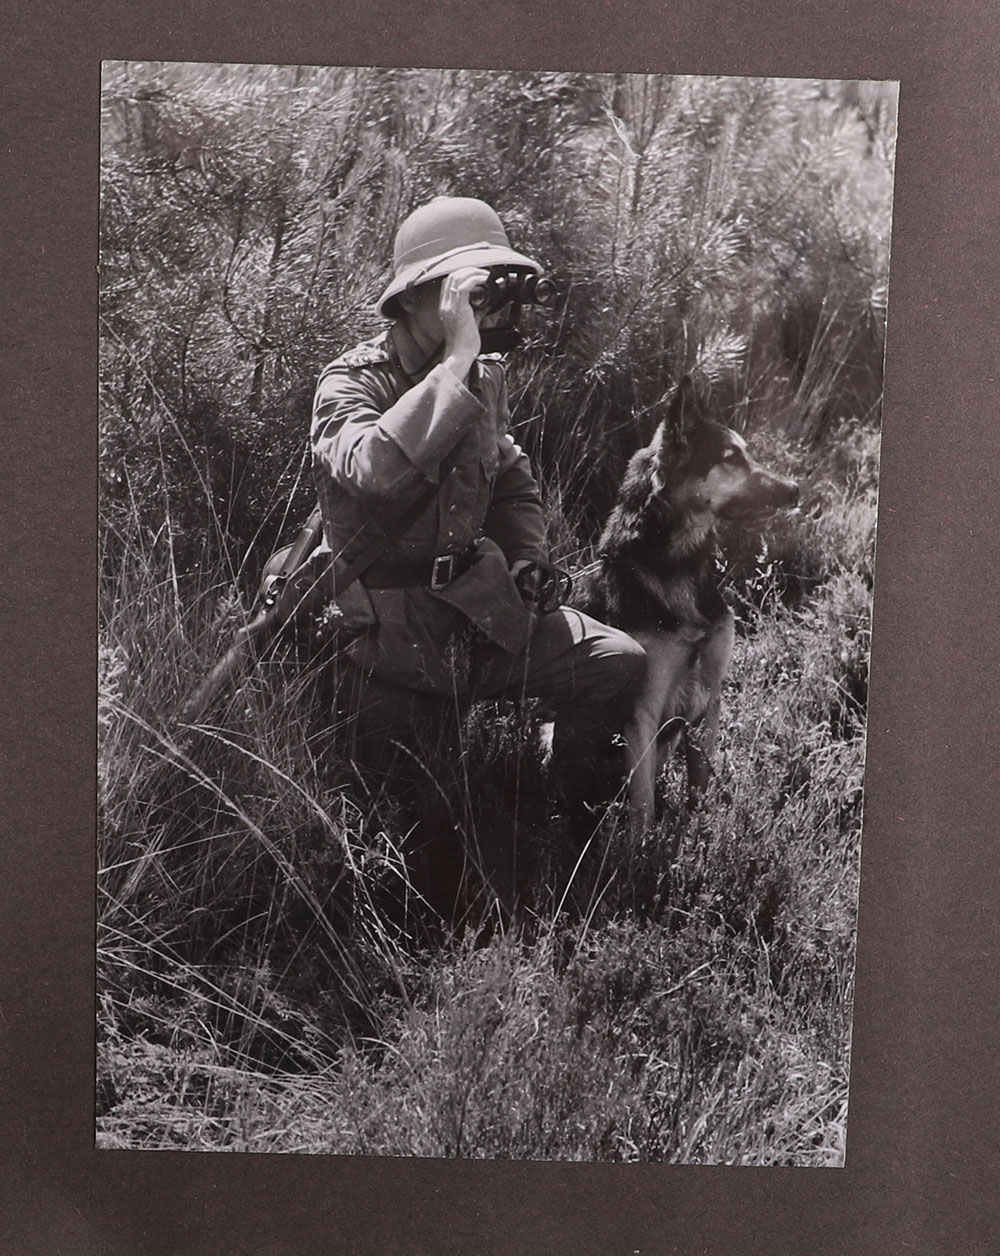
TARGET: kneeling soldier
(448,613)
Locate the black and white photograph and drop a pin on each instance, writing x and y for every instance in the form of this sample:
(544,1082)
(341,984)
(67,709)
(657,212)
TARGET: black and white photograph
(488,480)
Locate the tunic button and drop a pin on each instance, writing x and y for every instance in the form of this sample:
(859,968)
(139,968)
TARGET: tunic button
(452,509)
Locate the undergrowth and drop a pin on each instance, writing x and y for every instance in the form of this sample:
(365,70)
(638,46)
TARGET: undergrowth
(272,980)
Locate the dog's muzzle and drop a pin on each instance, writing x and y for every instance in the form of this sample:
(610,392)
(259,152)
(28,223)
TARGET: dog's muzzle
(762,498)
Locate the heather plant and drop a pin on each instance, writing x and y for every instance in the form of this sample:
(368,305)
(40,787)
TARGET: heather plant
(271,976)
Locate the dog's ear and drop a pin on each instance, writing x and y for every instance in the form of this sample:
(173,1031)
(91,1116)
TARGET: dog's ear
(680,421)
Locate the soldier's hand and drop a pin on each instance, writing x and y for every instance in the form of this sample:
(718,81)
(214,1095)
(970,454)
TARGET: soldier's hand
(542,587)
(459,321)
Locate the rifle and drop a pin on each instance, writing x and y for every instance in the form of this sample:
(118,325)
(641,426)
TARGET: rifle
(293,580)
(273,610)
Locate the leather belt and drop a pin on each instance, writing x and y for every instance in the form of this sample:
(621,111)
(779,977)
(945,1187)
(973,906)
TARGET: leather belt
(435,574)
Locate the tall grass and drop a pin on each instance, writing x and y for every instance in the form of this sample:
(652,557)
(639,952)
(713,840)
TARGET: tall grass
(265,985)
(271,974)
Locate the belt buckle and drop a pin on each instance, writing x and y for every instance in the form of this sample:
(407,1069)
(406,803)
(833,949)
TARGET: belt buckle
(442,571)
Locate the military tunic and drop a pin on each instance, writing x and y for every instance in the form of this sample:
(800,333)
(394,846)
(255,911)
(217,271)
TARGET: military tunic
(379,436)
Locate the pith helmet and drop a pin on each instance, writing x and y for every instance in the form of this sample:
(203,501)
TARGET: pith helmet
(445,235)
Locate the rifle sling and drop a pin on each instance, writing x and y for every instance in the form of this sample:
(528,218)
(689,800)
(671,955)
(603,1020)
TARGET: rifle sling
(398,523)
(305,543)
(264,624)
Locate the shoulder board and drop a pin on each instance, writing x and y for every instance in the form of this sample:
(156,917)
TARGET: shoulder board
(370,354)
(491,357)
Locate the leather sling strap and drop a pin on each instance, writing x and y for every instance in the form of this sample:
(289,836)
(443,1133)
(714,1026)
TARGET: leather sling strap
(264,625)
(399,521)
(312,530)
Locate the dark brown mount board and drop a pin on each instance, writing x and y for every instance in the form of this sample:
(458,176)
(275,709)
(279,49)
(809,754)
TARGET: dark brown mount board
(923,1155)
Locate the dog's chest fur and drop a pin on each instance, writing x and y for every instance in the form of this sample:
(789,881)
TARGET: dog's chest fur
(658,567)
(641,588)
(683,675)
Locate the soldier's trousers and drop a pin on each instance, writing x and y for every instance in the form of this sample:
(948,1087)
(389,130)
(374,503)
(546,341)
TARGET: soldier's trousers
(586,674)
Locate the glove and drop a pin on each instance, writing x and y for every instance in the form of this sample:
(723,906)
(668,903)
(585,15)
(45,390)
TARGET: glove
(543,588)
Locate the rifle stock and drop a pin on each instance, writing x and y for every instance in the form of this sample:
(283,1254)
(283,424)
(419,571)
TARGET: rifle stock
(291,582)
(251,638)
(263,628)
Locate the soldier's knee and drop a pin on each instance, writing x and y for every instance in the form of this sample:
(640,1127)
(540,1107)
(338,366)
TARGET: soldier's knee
(617,671)
(628,660)
(634,656)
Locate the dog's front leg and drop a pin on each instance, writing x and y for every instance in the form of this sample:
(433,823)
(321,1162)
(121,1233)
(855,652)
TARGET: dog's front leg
(667,661)
(698,757)
(699,745)
(642,761)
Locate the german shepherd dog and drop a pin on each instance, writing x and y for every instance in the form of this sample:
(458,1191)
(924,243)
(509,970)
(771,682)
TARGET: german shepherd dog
(658,581)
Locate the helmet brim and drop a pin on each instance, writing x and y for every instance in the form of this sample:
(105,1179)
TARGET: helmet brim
(423,272)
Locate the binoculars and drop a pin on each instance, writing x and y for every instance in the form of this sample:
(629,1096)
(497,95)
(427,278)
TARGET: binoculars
(507,287)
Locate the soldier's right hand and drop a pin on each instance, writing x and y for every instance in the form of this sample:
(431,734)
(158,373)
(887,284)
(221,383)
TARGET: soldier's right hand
(459,321)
